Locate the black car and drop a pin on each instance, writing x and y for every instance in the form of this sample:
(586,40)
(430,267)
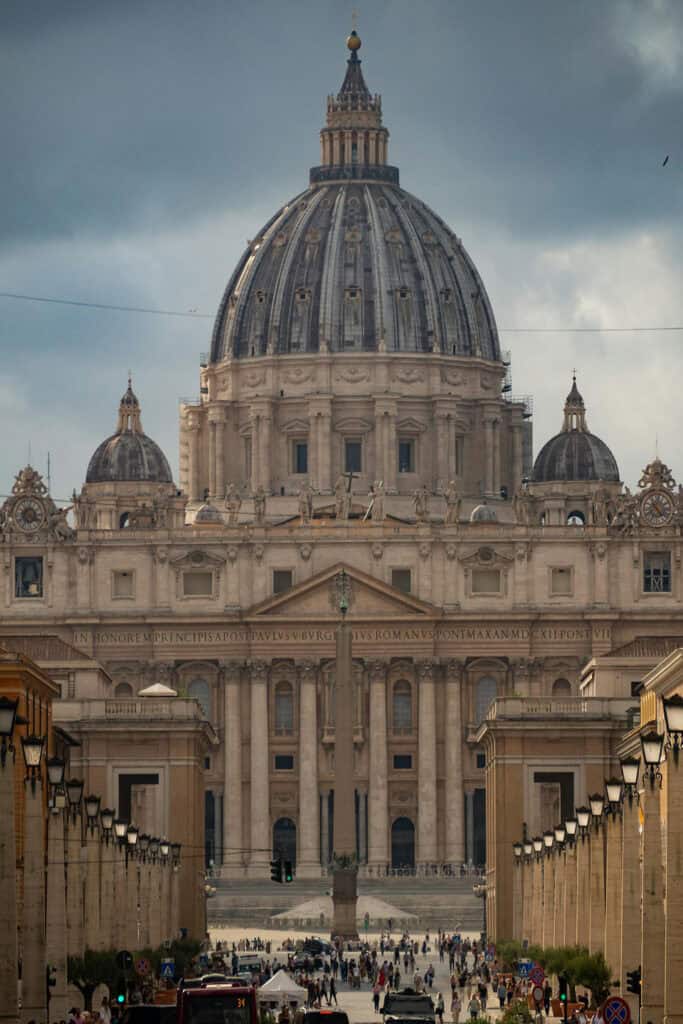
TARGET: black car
(326,1017)
(148,1013)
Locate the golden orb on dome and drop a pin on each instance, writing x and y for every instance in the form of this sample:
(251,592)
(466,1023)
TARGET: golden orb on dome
(353,42)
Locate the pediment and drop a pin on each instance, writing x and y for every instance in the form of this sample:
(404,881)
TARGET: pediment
(295,426)
(409,425)
(316,598)
(485,556)
(197,559)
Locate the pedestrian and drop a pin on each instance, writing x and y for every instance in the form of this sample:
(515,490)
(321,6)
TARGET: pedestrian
(376,989)
(456,1006)
(483,995)
(105,1011)
(333,992)
(502,993)
(439,1008)
(397,979)
(547,995)
(474,1008)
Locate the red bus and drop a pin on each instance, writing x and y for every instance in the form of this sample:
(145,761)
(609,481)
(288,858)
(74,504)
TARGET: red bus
(204,1001)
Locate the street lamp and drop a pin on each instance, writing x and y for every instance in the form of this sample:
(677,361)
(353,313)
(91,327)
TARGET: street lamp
(560,834)
(571,825)
(517,849)
(630,769)
(8,714)
(673,717)
(74,792)
(131,841)
(652,746)
(583,816)
(120,828)
(164,847)
(614,794)
(528,849)
(143,845)
(32,747)
(154,848)
(107,823)
(548,840)
(92,810)
(175,854)
(538,846)
(59,802)
(597,806)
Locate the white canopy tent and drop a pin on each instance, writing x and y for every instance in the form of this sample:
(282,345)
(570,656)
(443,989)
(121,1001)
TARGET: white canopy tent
(282,989)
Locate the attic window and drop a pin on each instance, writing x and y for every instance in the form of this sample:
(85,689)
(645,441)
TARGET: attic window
(447,295)
(303,294)
(403,293)
(260,296)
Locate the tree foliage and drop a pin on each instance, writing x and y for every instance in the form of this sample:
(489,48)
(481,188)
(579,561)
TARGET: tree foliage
(575,962)
(516,1013)
(95,967)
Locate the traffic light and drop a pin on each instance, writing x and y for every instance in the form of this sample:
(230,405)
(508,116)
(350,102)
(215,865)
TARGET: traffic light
(289,873)
(124,960)
(634,982)
(276,871)
(562,980)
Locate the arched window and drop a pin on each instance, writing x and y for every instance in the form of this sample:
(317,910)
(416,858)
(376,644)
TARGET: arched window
(123,521)
(199,690)
(284,709)
(486,691)
(562,688)
(123,690)
(402,707)
(403,844)
(576,518)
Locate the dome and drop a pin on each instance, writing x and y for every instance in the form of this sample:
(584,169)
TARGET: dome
(208,514)
(128,455)
(575,454)
(483,514)
(355,263)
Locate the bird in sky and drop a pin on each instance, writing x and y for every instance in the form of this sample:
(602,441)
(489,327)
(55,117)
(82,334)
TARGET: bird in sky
(666,160)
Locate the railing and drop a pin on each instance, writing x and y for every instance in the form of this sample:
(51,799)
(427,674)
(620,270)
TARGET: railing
(526,400)
(147,708)
(351,172)
(522,707)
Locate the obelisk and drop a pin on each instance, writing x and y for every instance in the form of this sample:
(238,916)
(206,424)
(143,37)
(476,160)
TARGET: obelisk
(344,886)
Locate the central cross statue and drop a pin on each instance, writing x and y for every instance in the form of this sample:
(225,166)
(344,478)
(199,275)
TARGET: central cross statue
(345,861)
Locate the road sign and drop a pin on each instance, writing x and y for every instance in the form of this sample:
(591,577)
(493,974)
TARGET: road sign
(167,968)
(537,974)
(538,994)
(615,1010)
(523,968)
(142,966)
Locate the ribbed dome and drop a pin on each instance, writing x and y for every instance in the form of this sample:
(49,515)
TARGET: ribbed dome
(208,514)
(575,454)
(483,514)
(129,455)
(355,263)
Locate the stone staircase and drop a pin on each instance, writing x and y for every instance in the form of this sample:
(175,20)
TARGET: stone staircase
(437,902)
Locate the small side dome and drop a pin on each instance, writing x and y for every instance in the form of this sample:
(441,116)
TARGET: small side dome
(575,454)
(483,514)
(208,515)
(129,455)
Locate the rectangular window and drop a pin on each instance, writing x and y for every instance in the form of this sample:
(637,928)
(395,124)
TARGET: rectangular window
(284,762)
(28,577)
(403,762)
(406,456)
(197,584)
(657,572)
(486,581)
(561,581)
(636,687)
(282,580)
(352,456)
(247,458)
(481,760)
(207,764)
(122,583)
(300,457)
(400,579)
(459,455)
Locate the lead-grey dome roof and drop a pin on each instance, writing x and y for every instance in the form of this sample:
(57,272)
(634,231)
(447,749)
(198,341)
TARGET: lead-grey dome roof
(355,262)
(575,454)
(128,455)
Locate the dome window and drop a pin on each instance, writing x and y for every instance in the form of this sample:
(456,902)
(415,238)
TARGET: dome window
(260,297)
(303,294)
(404,293)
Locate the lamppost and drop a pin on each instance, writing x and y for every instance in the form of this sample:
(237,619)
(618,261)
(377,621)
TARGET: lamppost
(538,846)
(673,719)
(652,746)
(92,918)
(583,817)
(55,911)
(107,816)
(548,840)
(33,952)
(55,777)
(9,952)
(32,747)
(92,811)
(118,925)
(597,806)
(560,833)
(528,849)
(630,770)
(74,793)
(571,825)
(132,909)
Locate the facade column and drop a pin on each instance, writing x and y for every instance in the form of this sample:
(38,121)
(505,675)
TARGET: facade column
(91,917)
(165,889)
(212,458)
(558,896)
(362,830)
(119,933)
(613,887)
(488,456)
(537,901)
(596,927)
(380,444)
(308,838)
(496,457)
(261,843)
(33,987)
(74,888)
(193,455)
(426,765)
(325,852)
(652,950)
(570,938)
(549,868)
(9,952)
(107,854)
(441,469)
(673,948)
(455,816)
(232,772)
(517,899)
(256,477)
(131,903)
(517,458)
(391,454)
(583,864)
(469,825)
(219,418)
(55,920)
(629,954)
(527,899)
(378,821)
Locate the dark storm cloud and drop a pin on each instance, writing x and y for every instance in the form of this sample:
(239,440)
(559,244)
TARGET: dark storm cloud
(145,141)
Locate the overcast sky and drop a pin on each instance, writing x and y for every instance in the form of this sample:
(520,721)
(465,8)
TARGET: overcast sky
(144,141)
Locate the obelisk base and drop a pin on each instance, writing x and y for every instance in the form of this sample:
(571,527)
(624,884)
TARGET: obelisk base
(344,903)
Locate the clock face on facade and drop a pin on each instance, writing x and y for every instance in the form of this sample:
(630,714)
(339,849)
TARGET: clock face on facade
(657,509)
(29,515)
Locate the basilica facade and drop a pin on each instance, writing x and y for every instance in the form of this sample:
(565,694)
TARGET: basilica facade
(355,414)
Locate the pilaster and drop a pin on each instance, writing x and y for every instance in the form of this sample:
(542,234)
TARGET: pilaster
(426,768)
